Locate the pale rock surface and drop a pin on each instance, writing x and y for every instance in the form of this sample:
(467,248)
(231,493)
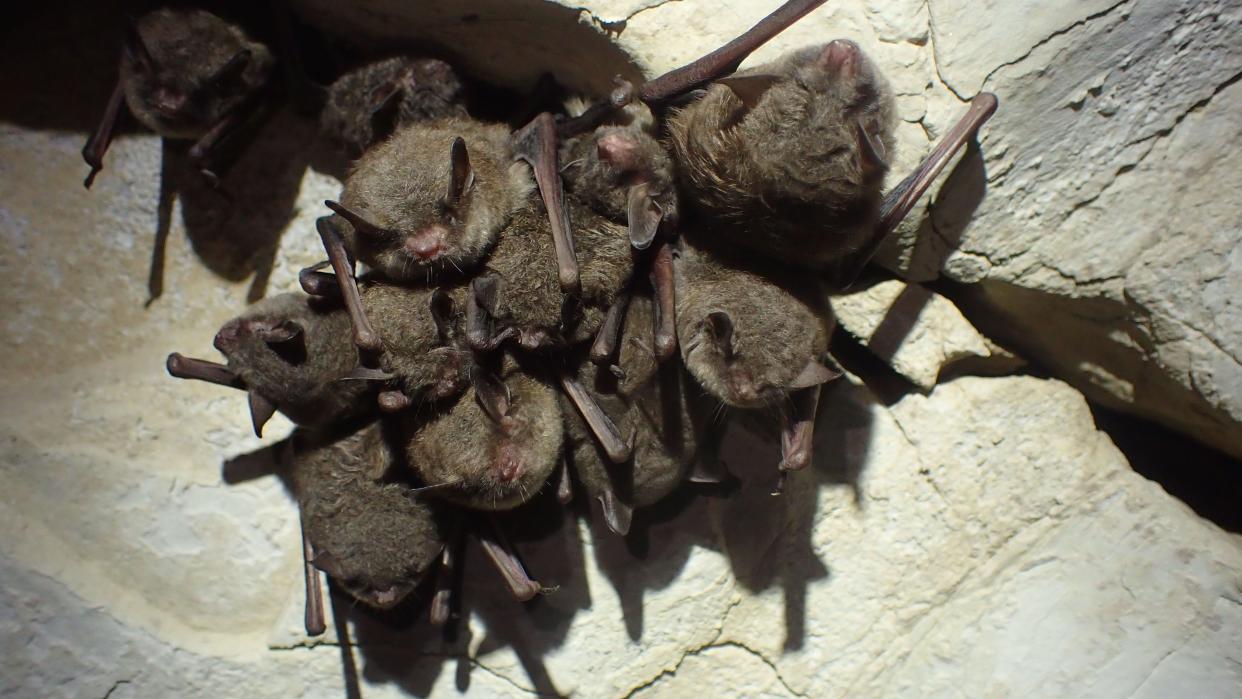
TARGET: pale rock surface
(981,540)
(918,332)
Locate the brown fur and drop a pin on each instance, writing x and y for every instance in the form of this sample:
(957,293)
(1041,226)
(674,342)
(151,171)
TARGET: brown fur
(784,178)
(303,378)
(188,47)
(603,185)
(461,444)
(400,186)
(777,328)
(530,297)
(427,368)
(373,538)
(429,89)
(657,405)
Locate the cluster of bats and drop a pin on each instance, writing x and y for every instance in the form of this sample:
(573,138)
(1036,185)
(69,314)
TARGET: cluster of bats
(565,305)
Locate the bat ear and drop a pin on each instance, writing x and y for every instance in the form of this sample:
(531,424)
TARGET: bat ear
(384,114)
(360,224)
(871,153)
(462,174)
(617,514)
(283,332)
(441,306)
(261,410)
(136,49)
(814,374)
(229,74)
(643,215)
(492,395)
(326,562)
(720,325)
(749,89)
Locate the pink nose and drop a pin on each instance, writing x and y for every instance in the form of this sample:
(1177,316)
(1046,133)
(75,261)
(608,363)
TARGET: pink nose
(509,464)
(840,56)
(620,151)
(427,244)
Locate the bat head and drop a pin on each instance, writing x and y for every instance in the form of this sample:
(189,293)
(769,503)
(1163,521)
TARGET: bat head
(826,114)
(495,448)
(183,70)
(368,104)
(378,542)
(747,339)
(295,355)
(805,138)
(432,198)
(624,174)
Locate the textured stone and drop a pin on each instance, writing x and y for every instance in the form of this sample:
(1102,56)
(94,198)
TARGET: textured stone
(917,332)
(983,539)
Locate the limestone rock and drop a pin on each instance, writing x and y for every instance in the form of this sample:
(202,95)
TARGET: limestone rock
(917,332)
(982,539)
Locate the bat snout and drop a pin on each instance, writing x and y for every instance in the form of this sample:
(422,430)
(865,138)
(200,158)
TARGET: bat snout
(427,244)
(228,339)
(841,57)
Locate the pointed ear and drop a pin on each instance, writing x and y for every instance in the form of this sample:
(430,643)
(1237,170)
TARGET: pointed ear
(326,562)
(462,174)
(814,374)
(261,410)
(643,214)
(136,49)
(284,331)
(384,115)
(749,89)
(720,325)
(617,515)
(360,224)
(493,396)
(230,73)
(441,307)
(871,153)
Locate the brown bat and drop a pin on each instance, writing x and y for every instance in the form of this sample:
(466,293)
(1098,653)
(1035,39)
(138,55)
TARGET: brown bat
(425,204)
(367,104)
(753,342)
(655,404)
(494,448)
(184,74)
(422,351)
(291,354)
(371,536)
(788,159)
(623,173)
(518,295)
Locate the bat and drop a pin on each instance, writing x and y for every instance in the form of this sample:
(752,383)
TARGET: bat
(422,355)
(185,74)
(653,403)
(367,104)
(493,448)
(289,353)
(621,171)
(753,342)
(788,159)
(429,201)
(374,539)
(517,293)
